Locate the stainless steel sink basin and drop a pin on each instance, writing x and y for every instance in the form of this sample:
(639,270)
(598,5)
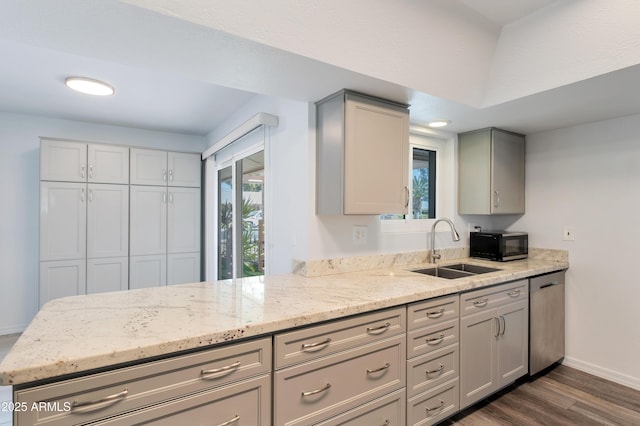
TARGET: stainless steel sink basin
(459,270)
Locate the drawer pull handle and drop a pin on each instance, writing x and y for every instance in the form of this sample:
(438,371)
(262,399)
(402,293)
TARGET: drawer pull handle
(376,370)
(379,330)
(95,405)
(514,293)
(435,314)
(313,392)
(481,303)
(438,370)
(436,340)
(231,421)
(439,407)
(205,374)
(316,346)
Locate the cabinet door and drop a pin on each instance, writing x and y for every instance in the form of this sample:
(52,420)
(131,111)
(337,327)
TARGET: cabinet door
(62,279)
(513,349)
(63,221)
(111,274)
(183,268)
(376,159)
(507,173)
(183,220)
(108,164)
(148,220)
(147,271)
(63,161)
(107,220)
(478,357)
(184,169)
(148,167)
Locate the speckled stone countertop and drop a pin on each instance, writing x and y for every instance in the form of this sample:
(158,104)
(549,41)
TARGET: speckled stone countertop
(81,333)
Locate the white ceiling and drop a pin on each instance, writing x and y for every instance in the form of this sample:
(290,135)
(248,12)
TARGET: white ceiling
(173,75)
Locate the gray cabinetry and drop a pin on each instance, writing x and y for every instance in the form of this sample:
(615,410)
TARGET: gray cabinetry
(491,172)
(359,137)
(432,360)
(327,370)
(494,339)
(235,380)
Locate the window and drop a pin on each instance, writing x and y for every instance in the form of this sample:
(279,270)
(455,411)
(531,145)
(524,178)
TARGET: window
(431,170)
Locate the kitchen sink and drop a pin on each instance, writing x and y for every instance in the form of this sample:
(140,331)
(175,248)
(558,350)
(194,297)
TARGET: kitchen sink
(459,270)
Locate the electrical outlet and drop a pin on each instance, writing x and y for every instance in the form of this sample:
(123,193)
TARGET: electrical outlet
(360,234)
(568,233)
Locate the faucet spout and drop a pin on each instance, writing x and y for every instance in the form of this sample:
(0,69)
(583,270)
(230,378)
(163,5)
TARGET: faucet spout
(454,236)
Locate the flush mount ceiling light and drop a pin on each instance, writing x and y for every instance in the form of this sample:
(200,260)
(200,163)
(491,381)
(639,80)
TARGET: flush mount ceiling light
(439,123)
(89,86)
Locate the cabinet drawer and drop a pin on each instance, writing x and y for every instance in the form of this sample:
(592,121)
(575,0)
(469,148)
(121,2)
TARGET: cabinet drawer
(433,369)
(431,407)
(385,411)
(432,312)
(106,394)
(244,403)
(432,338)
(487,298)
(318,341)
(318,390)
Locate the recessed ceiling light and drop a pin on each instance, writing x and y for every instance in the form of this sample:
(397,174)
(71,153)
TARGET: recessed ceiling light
(439,123)
(89,86)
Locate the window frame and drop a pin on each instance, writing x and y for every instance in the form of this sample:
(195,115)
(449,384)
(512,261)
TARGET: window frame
(442,143)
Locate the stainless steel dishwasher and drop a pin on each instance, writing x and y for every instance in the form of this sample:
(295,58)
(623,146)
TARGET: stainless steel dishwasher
(546,321)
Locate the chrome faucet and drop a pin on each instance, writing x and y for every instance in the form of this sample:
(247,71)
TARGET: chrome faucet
(454,236)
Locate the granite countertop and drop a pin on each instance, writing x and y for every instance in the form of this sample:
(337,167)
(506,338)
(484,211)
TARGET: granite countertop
(81,333)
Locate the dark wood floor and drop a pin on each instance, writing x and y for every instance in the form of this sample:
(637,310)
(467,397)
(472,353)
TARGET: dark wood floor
(561,396)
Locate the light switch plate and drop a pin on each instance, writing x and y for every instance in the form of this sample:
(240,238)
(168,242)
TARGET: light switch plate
(568,233)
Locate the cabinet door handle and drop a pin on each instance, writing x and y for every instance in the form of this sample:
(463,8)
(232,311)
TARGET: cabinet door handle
(514,293)
(497,326)
(481,303)
(90,171)
(313,392)
(171,198)
(82,170)
(164,198)
(164,175)
(227,369)
(82,195)
(437,370)
(436,408)
(497,199)
(235,419)
(406,202)
(379,330)
(435,314)
(170,175)
(376,370)
(91,195)
(312,347)
(230,421)
(504,325)
(436,340)
(98,404)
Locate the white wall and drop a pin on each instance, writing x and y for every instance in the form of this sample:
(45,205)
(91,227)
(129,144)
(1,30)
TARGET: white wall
(588,177)
(19,217)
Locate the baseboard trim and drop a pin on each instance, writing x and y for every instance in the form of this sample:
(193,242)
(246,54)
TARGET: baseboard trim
(614,376)
(13,329)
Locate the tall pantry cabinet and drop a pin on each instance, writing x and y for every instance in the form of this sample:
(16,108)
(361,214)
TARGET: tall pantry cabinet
(87,221)
(165,218)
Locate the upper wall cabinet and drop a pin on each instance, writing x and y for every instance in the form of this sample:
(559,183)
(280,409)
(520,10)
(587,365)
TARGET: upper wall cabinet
(66,161)
(161,168)
(491,172)
(363,155)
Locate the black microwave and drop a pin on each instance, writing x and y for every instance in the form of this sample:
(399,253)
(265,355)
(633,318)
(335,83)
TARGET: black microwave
(499,245)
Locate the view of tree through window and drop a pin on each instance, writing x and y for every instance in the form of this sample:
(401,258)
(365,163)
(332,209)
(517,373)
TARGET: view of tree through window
(248,220)
(423,186)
